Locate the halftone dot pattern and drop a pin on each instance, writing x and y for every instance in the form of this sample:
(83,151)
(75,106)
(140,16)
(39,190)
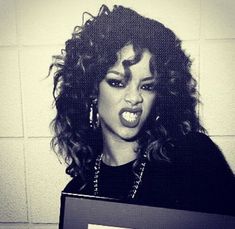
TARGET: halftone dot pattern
(33,31)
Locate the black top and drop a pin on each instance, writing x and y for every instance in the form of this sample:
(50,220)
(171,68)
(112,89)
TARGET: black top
(197,178)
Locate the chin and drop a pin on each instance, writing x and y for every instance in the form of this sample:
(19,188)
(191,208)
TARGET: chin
(121,132)
(129,135)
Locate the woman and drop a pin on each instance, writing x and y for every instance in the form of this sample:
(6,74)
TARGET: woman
(126,118)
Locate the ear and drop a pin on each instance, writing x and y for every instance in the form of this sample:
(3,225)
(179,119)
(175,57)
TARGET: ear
(93,99)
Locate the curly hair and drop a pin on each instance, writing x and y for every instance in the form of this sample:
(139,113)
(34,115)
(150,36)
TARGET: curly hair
(89,54)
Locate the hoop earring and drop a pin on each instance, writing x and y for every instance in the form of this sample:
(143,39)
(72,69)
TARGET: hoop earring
(94,120)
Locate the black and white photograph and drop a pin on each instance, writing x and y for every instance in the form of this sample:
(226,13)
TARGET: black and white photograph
(117,114)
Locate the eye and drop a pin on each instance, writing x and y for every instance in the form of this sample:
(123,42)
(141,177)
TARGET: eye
(148,87)
(115,83)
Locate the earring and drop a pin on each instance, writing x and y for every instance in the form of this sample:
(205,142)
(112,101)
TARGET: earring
(157,118)
(94,115)
(91,115)
(97,122)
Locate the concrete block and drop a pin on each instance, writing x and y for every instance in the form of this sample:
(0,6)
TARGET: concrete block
(53,22)
(13,202)
(47,179)
(218,20)
(10,95)
(7,22)
(217,87)
(37,88)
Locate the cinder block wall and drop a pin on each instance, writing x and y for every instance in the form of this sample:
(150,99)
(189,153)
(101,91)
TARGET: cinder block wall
(31,176)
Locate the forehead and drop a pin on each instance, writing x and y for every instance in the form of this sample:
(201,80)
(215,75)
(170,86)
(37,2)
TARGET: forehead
(128,53)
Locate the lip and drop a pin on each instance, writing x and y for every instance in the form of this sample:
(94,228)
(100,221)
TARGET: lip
(130,124)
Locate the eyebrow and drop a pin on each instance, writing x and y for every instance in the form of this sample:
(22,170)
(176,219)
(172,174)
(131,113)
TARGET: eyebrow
(148,78)
(115,72)
(122,75)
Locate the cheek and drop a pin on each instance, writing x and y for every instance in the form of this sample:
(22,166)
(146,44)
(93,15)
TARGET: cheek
(107,99)
(102,97)
(104,105)
(149,101)
(107,109)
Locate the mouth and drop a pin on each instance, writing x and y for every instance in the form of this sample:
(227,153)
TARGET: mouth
(130,117)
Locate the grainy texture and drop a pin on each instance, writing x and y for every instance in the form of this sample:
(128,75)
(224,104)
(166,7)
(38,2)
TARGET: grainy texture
(32,31)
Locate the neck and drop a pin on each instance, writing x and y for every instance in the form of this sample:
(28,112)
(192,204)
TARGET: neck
(118,151)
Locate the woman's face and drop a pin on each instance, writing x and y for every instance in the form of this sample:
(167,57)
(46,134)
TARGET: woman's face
(124,105)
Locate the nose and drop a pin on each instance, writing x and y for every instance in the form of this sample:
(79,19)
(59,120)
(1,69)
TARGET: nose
(133,96)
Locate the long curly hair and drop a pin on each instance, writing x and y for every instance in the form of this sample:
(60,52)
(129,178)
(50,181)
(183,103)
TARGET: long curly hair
(89,54)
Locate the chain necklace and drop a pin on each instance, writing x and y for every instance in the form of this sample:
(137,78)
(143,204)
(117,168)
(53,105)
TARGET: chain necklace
(135,187)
